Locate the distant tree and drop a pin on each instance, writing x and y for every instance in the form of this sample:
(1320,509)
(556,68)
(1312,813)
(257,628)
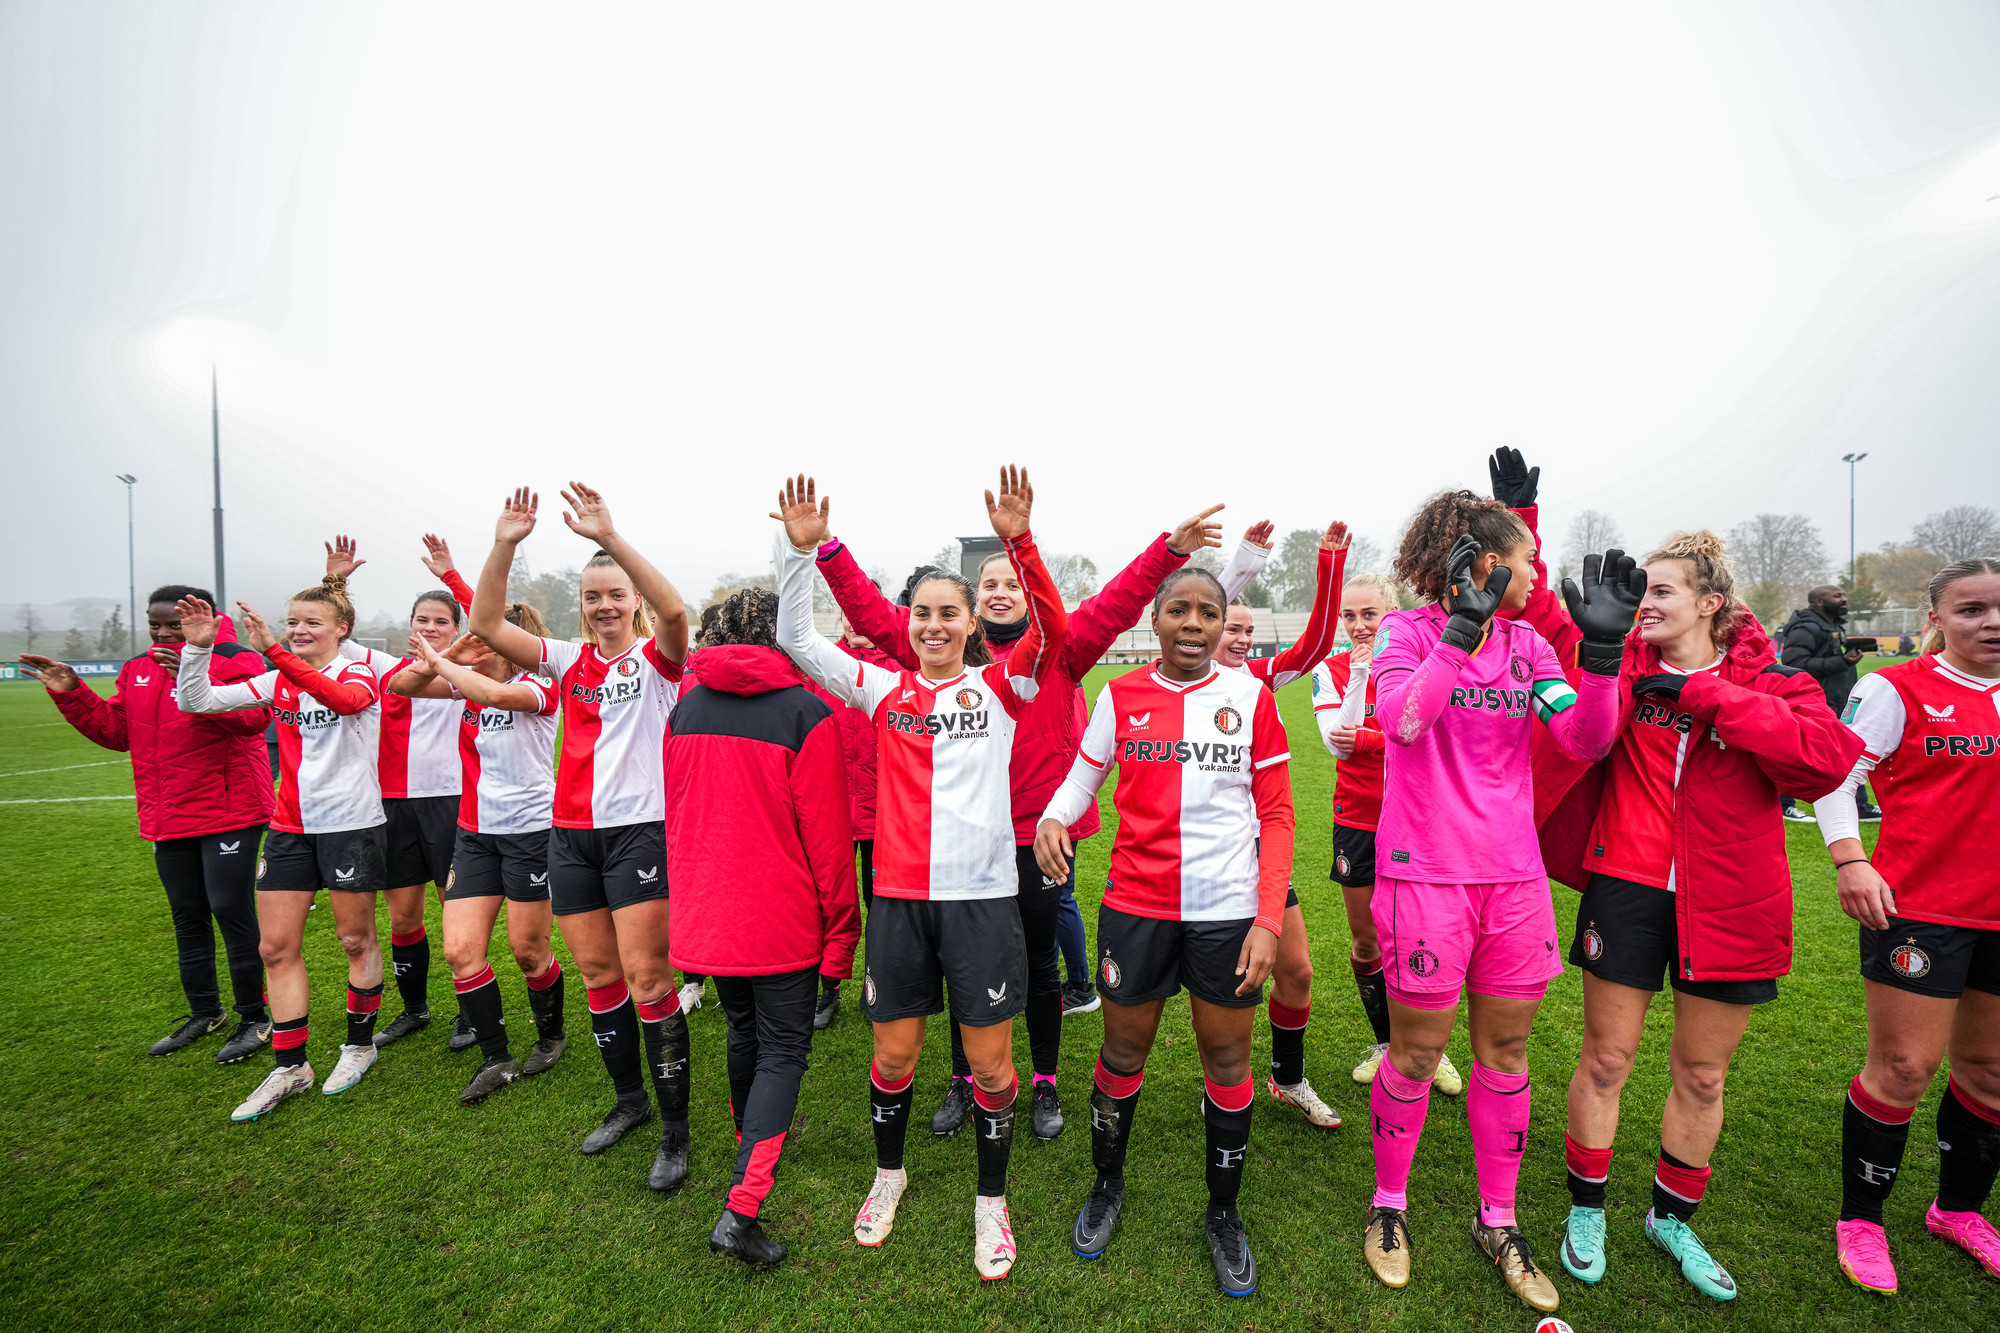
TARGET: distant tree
(1365,556)
(1592,532)
(1901,571)
(1293,573)
(75,647)
(947,557)
(553,595)
(112,640)
(1959,533)
(1075,575)
(1863,597)
(1778,557)
(730,583)
(31,627)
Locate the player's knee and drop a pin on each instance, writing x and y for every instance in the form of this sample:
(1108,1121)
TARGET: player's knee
(1902,1075)
(356,942)
(1607,1065)
(277,953)
(1700,1083)
(533,960)
(463,956)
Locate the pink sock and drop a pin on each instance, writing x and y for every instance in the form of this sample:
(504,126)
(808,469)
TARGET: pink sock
(1497,1106)
(1397,1107)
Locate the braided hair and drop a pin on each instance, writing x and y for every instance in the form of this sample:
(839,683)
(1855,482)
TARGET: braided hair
(1436,528)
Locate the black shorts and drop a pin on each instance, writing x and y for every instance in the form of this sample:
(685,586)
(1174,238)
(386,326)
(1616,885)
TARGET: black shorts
(422,832)
(486,865)
(1353,857)
(1926,958)
(1140,960)
(1626,933)
(594,868)
(347,862)
(914,946)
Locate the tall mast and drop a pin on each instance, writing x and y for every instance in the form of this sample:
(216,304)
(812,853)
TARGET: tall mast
(215,435)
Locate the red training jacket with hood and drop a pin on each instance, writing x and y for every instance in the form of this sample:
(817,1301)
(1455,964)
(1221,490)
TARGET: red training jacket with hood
(194,773)
(1046,741)
(1762,729)
(760,853)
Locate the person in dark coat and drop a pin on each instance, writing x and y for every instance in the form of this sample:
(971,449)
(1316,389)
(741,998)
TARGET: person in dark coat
(1815,642)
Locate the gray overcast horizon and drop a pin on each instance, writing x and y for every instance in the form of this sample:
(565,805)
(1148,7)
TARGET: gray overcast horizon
(1313,260)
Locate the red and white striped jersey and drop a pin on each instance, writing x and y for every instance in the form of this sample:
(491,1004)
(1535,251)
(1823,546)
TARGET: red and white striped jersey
(944,823)
(327,749)
(614,732)
(1200,767)
(419,741)
(1357,783)
(509,762)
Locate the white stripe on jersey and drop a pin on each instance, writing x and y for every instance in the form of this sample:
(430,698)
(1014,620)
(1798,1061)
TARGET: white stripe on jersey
(510,762)
(614,711)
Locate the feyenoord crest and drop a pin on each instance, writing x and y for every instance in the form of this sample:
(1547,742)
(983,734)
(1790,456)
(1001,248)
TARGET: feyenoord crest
(628,667)
(1345,866)
(1228,721)
(1909,960)
(1422,962)
(260,867)
(1593,945)
(1520,669)
(450,878)
(1109,972)
(868,987)
(969,699)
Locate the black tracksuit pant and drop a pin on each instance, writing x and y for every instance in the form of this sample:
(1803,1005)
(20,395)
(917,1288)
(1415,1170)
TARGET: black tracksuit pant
(770,1036)
(211,881)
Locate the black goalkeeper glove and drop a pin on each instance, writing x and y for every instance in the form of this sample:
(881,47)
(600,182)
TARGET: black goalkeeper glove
(1514,482)
(1470,607)
(1666,684)
(1613,586)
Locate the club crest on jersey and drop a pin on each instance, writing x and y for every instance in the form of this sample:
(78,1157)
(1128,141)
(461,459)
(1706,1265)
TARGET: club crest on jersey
(1853,707)
(1110,973)
(969,699)
(1909,960)
(1341,863)
(1228,721)
(629,667)
(1520,670)
(1593,945)
(1422,962)
(868,987)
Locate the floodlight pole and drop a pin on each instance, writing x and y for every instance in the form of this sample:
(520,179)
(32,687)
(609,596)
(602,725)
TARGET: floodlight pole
(131,571)
(215,435)
(1850,460)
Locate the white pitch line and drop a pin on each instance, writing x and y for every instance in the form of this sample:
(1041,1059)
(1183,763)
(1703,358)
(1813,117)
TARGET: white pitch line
(64,800)
(61,768)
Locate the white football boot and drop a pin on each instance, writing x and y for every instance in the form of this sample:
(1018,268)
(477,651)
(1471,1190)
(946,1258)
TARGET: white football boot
(878,1211)
(354,1062)
(277,1085)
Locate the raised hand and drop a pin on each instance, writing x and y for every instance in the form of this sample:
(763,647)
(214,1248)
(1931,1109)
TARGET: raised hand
(255,632)
(591,517)
(198,623)
(1336,537)
(1196,532)
(56,675)
(517,517)
(1471,607)
(1261,533)
(1604,608)
(803,512)
(437,556)
(1514,482)
(340,557)
(1009,513)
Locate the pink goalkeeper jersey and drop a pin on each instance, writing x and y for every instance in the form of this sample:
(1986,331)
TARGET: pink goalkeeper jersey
(614,732)
(1458,799)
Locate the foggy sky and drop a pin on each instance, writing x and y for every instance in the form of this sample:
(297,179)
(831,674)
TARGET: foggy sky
(1312,260)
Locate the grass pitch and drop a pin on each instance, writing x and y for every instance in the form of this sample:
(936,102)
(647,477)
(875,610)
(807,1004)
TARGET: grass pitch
(129,1199)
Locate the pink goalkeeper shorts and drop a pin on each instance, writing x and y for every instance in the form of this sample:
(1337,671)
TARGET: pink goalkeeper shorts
(1490,939)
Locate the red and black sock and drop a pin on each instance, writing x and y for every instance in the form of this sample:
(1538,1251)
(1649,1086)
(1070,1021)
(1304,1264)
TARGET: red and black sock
(1677,1187)
(1589,1168)
(1288,1042)
(1968,1133)
(288,1041)
(1374,996)
(1226,1114)
(410,957)
(1872,1138)
(362,1006)
(1113,1100)
(616,1027)
(889,1108)
(993,1119)
(666,1032)
(479,1001)
(545,1001)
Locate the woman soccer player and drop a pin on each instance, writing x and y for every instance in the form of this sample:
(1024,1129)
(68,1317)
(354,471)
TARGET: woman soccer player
(1196,898)
(1676,841)
(1343,692)
(507,743)
(327,830)
(945,863)
(1291,983)
(607,853)
(1044,744)
(1929,907)
(1461,900)
(420,787)
(204,797)
(764,900)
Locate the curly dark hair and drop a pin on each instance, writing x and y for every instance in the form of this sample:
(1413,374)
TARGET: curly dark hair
(977,651)
(1435,528)
(748,615)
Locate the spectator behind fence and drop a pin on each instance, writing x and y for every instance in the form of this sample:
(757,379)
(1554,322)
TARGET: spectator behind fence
(1815,641)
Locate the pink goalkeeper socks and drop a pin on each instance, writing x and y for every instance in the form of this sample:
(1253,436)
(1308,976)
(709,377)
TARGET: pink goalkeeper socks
(1397,1107)
(1496,1104)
